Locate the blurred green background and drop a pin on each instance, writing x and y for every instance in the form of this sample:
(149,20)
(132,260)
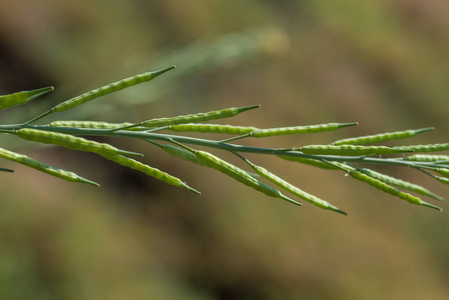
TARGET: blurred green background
(382,63)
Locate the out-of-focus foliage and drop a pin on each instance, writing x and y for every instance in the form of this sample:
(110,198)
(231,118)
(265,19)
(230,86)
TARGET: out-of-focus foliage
(306,62)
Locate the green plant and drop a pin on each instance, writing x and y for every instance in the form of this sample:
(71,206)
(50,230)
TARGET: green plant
(341,155)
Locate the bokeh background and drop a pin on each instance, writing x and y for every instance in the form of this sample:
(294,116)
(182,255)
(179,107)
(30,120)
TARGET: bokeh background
(382,63)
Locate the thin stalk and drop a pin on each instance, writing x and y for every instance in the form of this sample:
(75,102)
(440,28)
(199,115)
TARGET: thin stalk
(225,146)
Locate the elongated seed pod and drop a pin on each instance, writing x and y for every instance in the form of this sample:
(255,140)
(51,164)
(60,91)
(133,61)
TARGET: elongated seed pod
(400,183)
(443,172)
(70,142)
(23,97)
(240,175)
(389,189)
(212,128)
(88,124)
(261,133)
(309,161)
(424,148)
(153,172)
(428,158)
(32,163)
(293,189)
(178,152)
(196,118)
(108,89)
(350,150)
(381,137)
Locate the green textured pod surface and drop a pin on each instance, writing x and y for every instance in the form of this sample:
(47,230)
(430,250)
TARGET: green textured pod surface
(428,158)
(350,150)
(240,175)
(400,183)
(70,142)
(32,163)
(153,172)
(196,118)
(299,129)
(212,128)
(182,153)
(88,124)
(294,190)
(443,172)
(22,97)
(381,137)
(309,161)
(424,148)
(389,189)
(108,89)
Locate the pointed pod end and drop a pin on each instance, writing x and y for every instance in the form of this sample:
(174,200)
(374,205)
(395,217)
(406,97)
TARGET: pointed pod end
(162,71)
(424,129)
(290,200)
(84,180)
(333,208)
(191,189)
(349,124)
(39,92)
(245,108)
(431,206)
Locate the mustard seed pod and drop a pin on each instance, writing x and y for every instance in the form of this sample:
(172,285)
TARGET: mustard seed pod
(70,142)
(153,172)
(32,163)
(428,158)
(400,183)
(309,161)
(196,118)
(212,128)
(293,189)
(240,175)
(351,150)
(261,133)
(381,137)
(23,97)
(424,148)
(108,89)
(389,189)
(88,124)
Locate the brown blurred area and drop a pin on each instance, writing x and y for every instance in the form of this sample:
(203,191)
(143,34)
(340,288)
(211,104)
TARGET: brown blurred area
(384,64)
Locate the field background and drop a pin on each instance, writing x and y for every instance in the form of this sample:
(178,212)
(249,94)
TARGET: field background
(384,64)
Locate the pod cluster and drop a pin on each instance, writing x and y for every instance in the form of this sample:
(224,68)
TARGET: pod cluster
(340,155)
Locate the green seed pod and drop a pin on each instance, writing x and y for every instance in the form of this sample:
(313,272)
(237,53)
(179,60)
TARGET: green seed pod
(382,137)
(442,179)
(70,142)
(153,172)
(178,152)
(293,189)
(240,175)
(309,161)
(23,97)
(424,148)
(108,89)
(350,150)
(29,162)
(261,133)
(443,172)
(88,124)
(196,118)
(212,128)
(428,158)
(400,183)
(389,189)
